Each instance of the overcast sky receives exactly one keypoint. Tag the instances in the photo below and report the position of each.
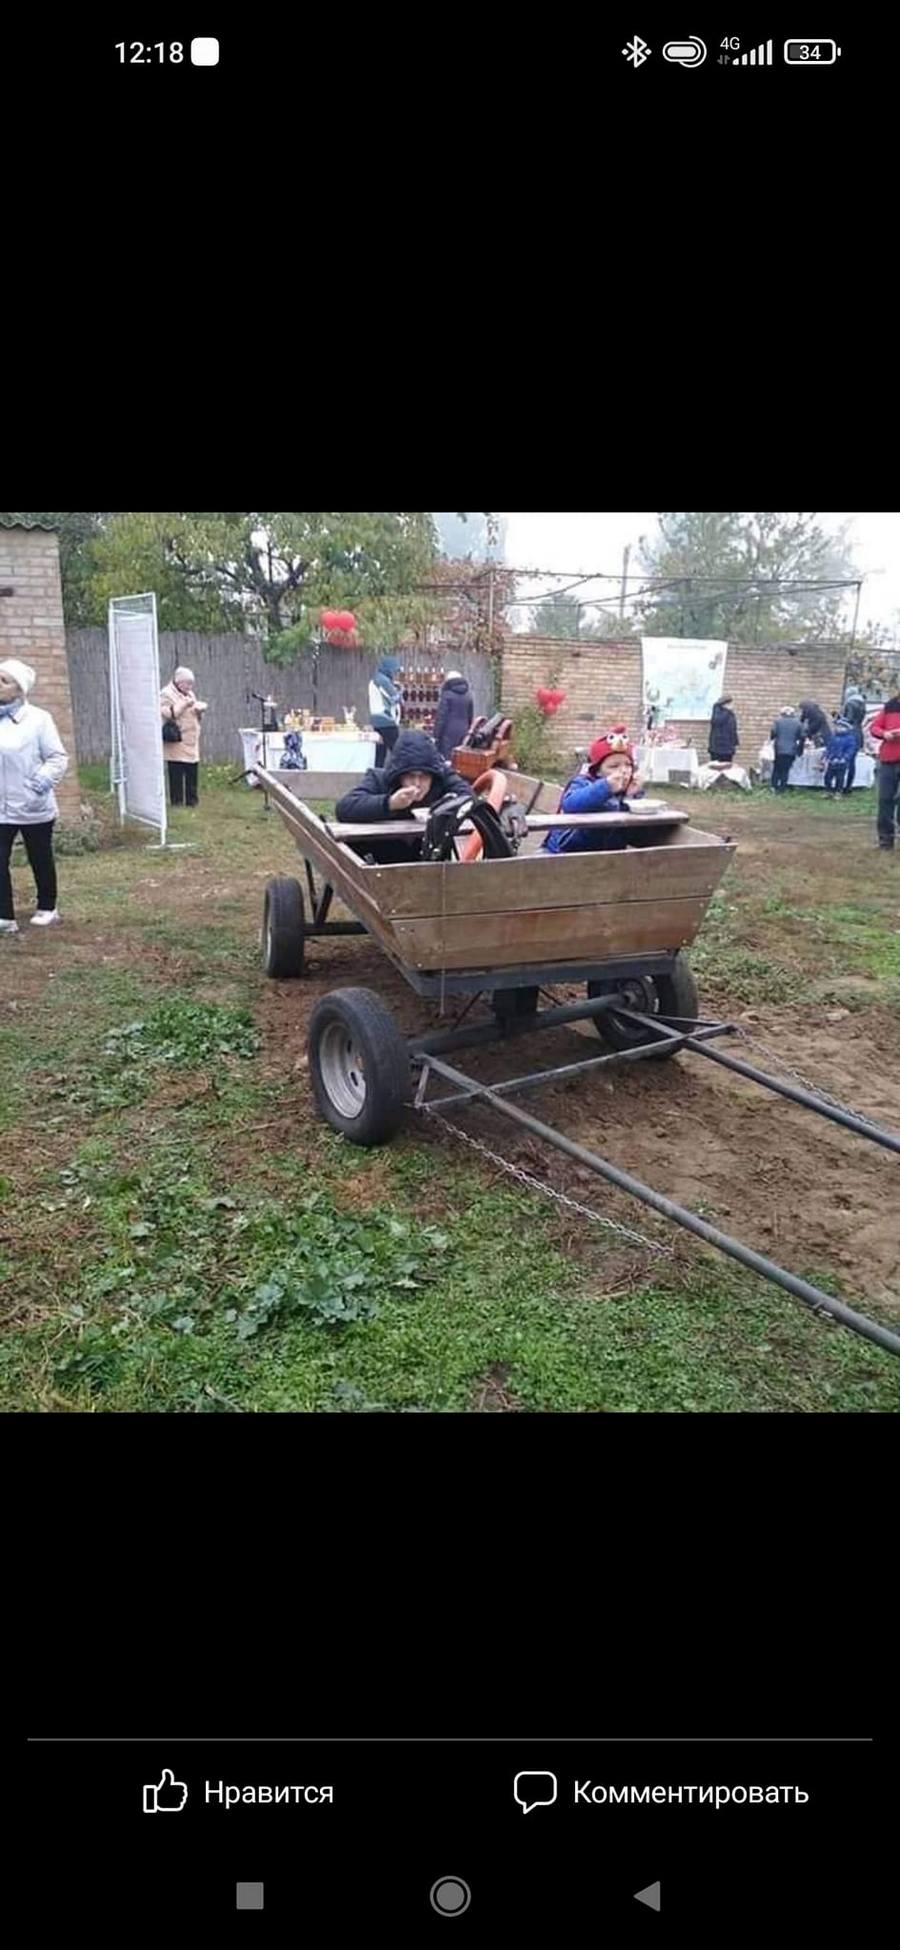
(577, 543)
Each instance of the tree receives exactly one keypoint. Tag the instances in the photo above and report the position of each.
(565, 616)
(724, 575)
(461, 536)
(556, 616)
(470, 536)
(271, 573)
(874, 660)
(76, 533)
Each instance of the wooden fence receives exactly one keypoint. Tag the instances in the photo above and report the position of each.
(227, 670)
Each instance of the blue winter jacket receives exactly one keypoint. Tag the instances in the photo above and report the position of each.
(842, 744)
(587, 795)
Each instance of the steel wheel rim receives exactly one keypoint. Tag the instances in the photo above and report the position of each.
(638, 992)
(342, 1071)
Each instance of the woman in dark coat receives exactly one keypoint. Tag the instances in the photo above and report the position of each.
(813, 722)
(455, 713)
(723, 732)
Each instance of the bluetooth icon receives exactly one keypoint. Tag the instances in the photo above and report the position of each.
(637, 51)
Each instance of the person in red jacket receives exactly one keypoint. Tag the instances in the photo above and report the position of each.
(886, 729)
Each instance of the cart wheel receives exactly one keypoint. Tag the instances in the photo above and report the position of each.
(283, 928)
(653, 995)
(359, 1065)
(510, 1004)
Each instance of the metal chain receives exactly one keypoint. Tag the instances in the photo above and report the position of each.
(549, 1191)
(815, 1088)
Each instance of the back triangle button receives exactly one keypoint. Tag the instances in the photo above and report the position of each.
(650, 1895)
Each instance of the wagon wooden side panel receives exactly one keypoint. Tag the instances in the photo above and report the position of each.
(542, 908)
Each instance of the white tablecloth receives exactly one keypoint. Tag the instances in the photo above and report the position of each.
(809, 768)
(324, 751)
(656, 763)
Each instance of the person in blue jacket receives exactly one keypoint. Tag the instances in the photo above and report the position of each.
(385, 699)
(607, 785)
(840, 753)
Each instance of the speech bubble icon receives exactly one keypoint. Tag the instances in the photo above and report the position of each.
(538, 1791)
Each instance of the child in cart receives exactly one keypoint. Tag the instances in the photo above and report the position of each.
(607, 784)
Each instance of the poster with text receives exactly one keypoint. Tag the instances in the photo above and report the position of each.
(683, 676)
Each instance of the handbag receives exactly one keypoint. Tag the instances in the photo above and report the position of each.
(171, 732)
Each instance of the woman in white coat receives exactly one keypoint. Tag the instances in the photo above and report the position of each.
(32, 762)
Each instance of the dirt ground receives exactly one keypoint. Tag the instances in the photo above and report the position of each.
(798, 1188)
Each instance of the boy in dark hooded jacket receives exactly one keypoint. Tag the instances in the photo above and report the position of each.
(415, 775)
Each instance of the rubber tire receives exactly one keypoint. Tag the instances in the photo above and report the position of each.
(283, 928)
(513, 1004)
(385, 1059)
(675, 995)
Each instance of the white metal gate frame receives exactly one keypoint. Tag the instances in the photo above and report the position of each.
(143, 604)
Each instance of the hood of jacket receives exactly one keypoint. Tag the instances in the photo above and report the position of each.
(414, 752)
(458, 686)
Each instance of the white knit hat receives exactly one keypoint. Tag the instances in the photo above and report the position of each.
(21, 674)
(183, 675)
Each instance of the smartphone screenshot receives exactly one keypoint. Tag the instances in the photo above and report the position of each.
(449, 1048)
(634, 1841)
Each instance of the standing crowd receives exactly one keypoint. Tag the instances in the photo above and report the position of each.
(841, 742)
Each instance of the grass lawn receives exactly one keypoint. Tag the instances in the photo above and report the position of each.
(179, 1231)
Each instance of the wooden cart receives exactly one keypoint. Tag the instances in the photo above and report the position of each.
(616, 922)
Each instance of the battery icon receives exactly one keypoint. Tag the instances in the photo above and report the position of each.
(811, 54)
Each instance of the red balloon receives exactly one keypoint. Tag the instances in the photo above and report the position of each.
(345, 620)
(330, 619)
(543, 696)
(559, 697)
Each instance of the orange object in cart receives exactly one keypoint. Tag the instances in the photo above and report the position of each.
(492, 786)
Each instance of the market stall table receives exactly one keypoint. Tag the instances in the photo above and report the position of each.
(656, 763)
(324, 751)
(809, 769)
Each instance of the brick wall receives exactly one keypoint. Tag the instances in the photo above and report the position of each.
(603, 685)
(31, 628)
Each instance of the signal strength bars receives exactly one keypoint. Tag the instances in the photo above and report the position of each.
(758, 57)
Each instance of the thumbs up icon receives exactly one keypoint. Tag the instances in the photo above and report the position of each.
(167, 1798)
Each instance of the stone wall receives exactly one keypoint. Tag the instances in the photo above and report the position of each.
(603, 685)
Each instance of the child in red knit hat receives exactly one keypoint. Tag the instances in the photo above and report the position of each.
(607, 783)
